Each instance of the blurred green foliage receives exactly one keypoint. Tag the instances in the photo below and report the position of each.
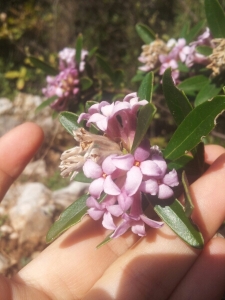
(47, 26)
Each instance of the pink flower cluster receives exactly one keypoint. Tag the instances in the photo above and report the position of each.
(124, 177)
(66, 84)
(178, 51)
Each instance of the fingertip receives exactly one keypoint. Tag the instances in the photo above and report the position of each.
(212, 152)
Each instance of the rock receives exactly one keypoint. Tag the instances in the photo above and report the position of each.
(4, 263)
(6, 229)
(64, 197)
(8, 122)
(5, 105)
(37, 167)
(33, 197)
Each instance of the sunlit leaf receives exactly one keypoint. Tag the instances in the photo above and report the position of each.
(69, 121)
(145, 33)
(189, 206)
(69, 217)
(12, 74)
(146, 87)
(105, 241)
(145, 117)
(176, 100)
(174, 216)
(215, 18)
(208, 91)
(198, 123)
(20, 83)
(79, 46)
(45, 103)
(49, 70)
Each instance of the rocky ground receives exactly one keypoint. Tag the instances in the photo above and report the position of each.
(39, 194)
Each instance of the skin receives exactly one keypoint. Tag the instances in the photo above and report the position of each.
(159, 266)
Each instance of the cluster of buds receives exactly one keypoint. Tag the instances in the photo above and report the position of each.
(117, 172)
(66, 84)
(162, 55)
(217, 58)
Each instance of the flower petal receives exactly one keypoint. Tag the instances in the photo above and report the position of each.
(107, 221)
(115, 210)
(95, 214)
(171, 178)
(110, 187)
(124, 201)
(133, 181)
(160, 161)
(143, 151)
(150, 186)
(150, 168)
(93, 203)
(139, 228)
(165, 192)
(121, 229)
(124, 162)
(91, 169)
(151, 223)
(96, 187)
(107, 166)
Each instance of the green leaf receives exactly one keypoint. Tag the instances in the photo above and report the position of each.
(85, 82)
(92, 52)
(145, 116)
(79, 46)
(105, 67)
(189, 206)
(138, 77)
(49, 70)
(82, 178)
(182, 67)
(215, 18)
(204, 50)
(146, 87)
(185, 30)
(208, 91)
(176, 100)
(191, 35)
(145, 33)
(45, 103)
(193, 84)
(69, 121)
(12, 74)
(69, 217)
(180, 162)
(105, 241)
(198, 123)
(173, 215)
(118, 78)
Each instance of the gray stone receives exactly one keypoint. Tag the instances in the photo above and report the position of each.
(5, 105)
(37, 167)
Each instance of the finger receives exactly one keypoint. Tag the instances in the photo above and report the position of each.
(206, 279)
(17, 147)
(154, 267)
(212, 152)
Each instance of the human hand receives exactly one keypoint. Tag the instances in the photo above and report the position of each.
(158, 266)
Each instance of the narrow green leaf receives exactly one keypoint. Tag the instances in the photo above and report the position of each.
(145, 33)
(182, 67)
(193, 84)
(82, 178)
(204, 50)
(105, 67)
(185, 30)
(45, 103)
(194, 32)
(138, 77)
(85, 82)
(198, 123)
(180, 162)
(176, 100)
(69, 217)
(105, 241)
(49, 70)
(215, 18)
(174, 216)
(69, 121)
(79, 46)
(146, 87)
(118, 78)
(189, 206)
(92, 52)
(145, 117)
(207, 92)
